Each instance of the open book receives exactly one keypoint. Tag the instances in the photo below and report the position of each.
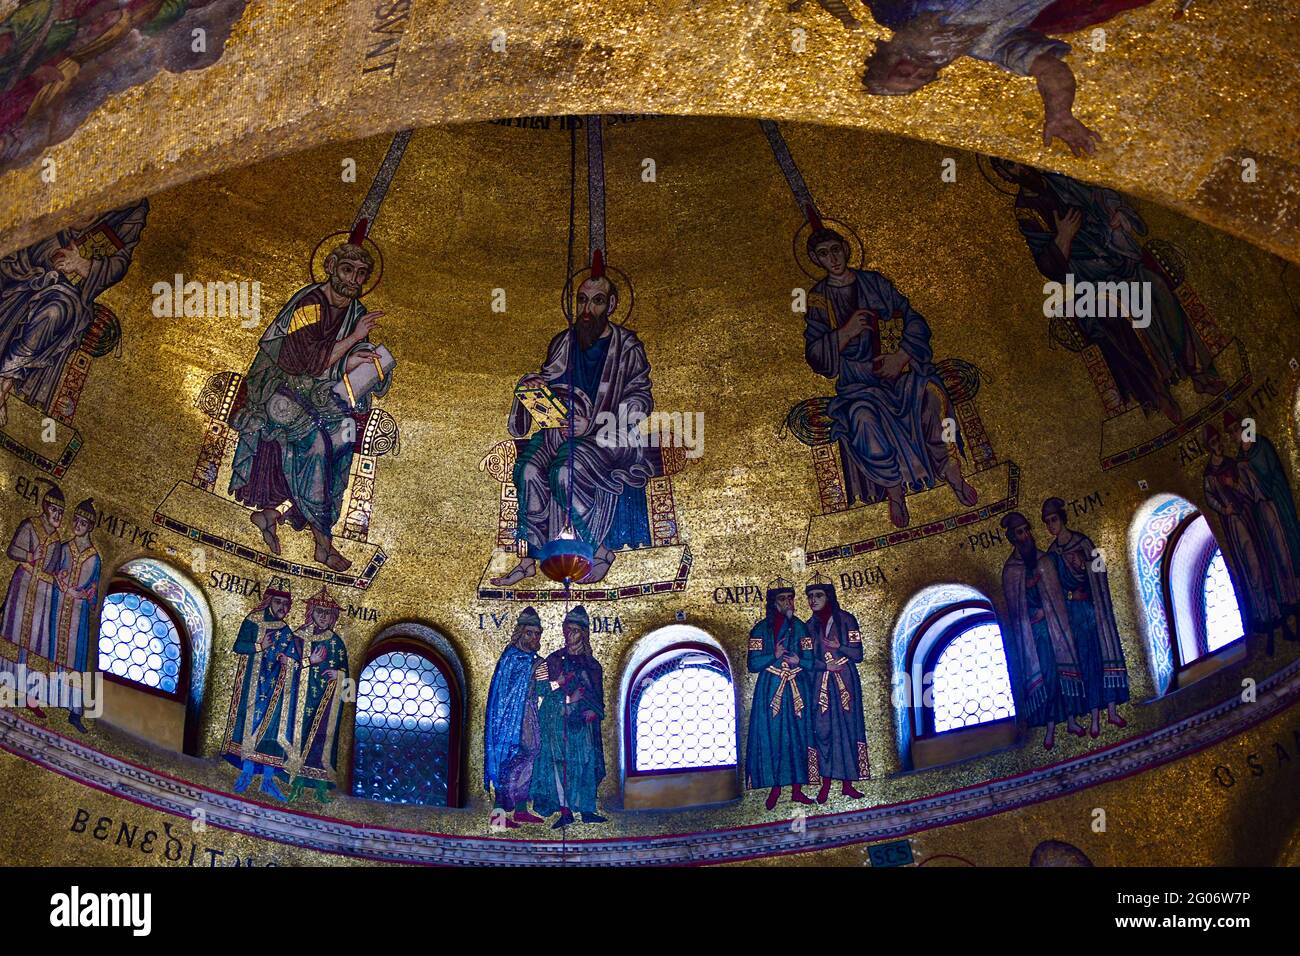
(544, 405)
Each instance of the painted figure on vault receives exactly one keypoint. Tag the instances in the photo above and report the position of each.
(1074, 229)
(599, 369)
(570, 762)
(1052, 689)
(890, 407)
(76, 592)
(264, 638)
(1255, 546)
(1015, 35)
(47, 299)
(35, 545)
(512, 731)
(779, 751)
(839, 735)
(296, 411)
(1086, 590)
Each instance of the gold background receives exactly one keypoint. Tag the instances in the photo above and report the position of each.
(479, 207)
(1180, 103)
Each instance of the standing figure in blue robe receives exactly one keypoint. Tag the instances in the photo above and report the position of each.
(1275, 506)
(890, 405)
(1086, 589)
(779, 751)
(839, 731)
(76, 592)
(570, 762)
(511, 731)
(1039, 635)
(264, 638)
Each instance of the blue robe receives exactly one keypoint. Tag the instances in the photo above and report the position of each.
(779, 749)
(1262, 459)
(510, 702)
(890, 433)
(257, 678)
(44, 314)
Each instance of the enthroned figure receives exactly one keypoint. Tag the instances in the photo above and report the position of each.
(890, 406)
(296, 436)
(47, 299)
(570, 471)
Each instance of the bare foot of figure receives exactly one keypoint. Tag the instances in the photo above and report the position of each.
(962, 488)
(266, 520)
(526, 568)
(897, 507)
(1049, 741)
(329, 555)
(600, 566)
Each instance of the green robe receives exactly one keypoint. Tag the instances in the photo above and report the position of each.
(778, 751)
(571, 762)
(299, 734)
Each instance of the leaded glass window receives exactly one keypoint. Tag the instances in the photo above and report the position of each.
(971, 684)
(1222, 615)
(684, 715)
(139, 642)
(404, 727)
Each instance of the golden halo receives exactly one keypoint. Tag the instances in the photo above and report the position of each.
(626, 296)
(800, 247)
(317, 261)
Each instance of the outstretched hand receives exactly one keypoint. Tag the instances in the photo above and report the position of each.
(1081, 140)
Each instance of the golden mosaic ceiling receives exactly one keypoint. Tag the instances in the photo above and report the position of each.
(1180, 102)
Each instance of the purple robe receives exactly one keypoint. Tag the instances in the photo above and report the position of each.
(600, 471)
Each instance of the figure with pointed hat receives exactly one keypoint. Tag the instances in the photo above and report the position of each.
(29, 601)
(1086, 589)
(779, 750)
(296, 434)
(839, 734)
(1051, 684)
(261, 647)
(571, 473)
(890, 405)
(570, 761)
(511, 731)
(76, 591)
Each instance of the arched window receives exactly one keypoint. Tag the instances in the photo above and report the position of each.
(139, 642)
(155, 633)
(679, 722)
(952, 684)
(409, 714)
(1190, 610)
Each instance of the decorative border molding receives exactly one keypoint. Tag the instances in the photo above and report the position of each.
(167, 794)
